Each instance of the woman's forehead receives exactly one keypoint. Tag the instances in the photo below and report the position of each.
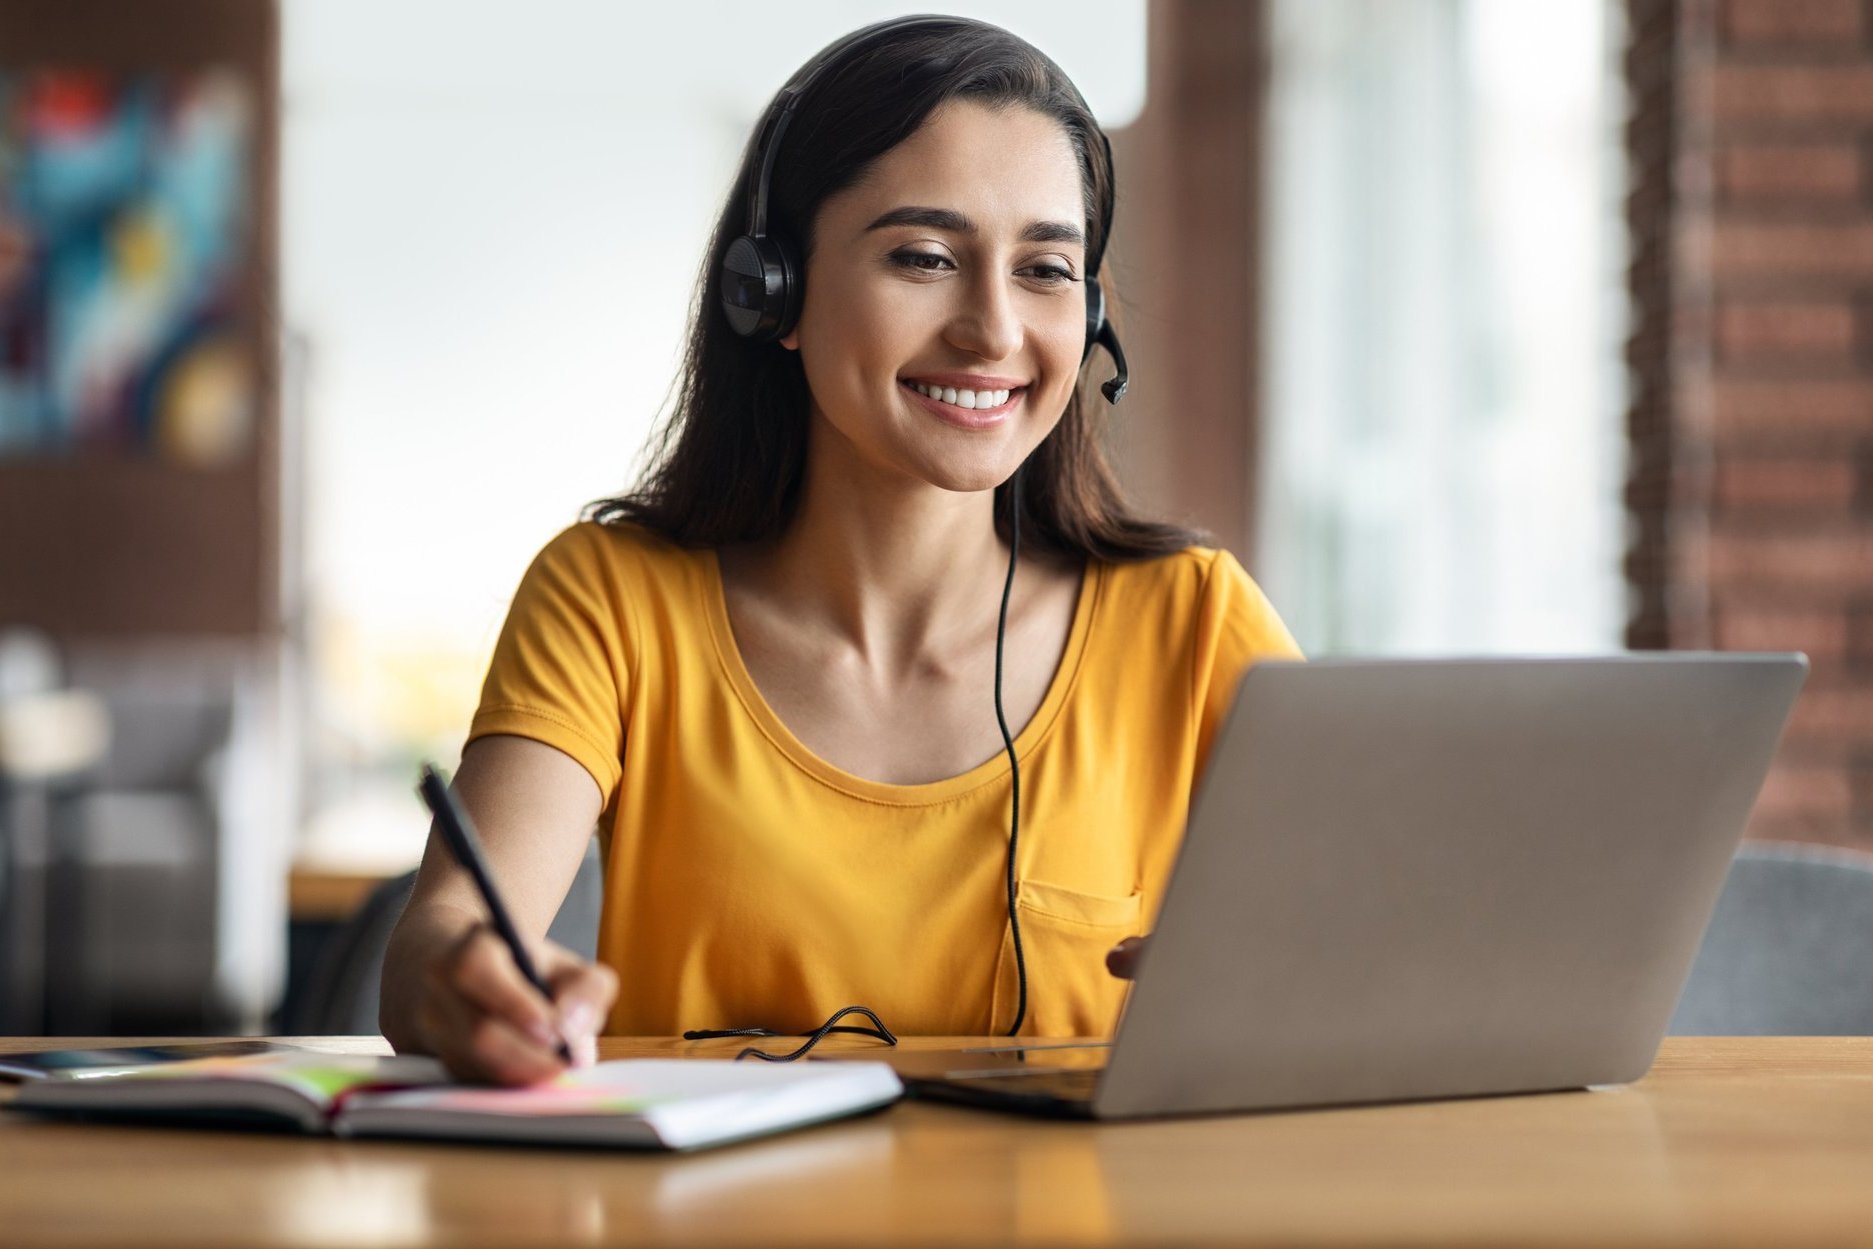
(1002, 168)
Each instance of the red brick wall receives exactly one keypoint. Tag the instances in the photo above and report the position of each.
(1752, 488)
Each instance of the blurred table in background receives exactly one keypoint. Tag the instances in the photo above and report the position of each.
(322, 896)
(325, 893)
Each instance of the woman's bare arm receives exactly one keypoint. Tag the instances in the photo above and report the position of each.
(450, 988)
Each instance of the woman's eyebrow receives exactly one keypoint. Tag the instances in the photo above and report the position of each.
(950, 220)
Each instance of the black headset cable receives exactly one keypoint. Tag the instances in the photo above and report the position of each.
(1014, 764)
(1014, 844)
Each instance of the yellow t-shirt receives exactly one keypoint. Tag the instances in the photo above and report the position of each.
(749, 883)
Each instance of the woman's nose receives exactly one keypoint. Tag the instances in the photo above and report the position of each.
(988, 324)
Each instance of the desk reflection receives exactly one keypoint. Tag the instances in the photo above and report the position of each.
(1483, 1169)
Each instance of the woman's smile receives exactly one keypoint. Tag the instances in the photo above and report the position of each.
(967, 401)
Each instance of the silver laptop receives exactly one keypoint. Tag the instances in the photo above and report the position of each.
(1414, 879)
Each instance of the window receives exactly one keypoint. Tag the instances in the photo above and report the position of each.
(1443, 441)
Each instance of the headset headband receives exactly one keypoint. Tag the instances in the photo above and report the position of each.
(789, 98)
(781, 115)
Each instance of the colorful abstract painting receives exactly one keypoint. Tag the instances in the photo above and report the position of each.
(125, 233)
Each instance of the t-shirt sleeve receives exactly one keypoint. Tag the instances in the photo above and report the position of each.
(1236, 627)
(562, 668)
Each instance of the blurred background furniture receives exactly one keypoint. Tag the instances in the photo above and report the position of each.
(141, 921)
(1790, 948)
(51, 738)
(126, 780)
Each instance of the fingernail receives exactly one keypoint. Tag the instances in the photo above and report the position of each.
(543, 1032)
(579, 1021)
(578, 1024)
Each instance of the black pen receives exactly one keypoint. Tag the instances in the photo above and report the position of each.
(466, 847)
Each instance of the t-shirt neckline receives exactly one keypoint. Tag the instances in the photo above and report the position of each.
(728, 655)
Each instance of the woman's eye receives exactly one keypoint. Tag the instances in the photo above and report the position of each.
(1051, 275)
(924, 262)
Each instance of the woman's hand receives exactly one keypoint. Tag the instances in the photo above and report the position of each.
(450, 987)
(482, 1018)
(1122, 959)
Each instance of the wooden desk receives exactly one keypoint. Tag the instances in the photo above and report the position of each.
(1727, 1142)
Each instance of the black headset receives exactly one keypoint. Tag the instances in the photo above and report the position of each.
(762, 277)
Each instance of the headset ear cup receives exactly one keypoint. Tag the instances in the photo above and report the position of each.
(759, 288)
(1095, 317)
(793, 286)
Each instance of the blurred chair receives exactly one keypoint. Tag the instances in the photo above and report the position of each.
(52, 738)
(139, 918)
(1790, 948)
(178, 842)
(341, 994)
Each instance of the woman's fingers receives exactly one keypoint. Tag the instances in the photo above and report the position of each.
(1122, 959)
(485, 973)
(582, 996)
(477, 1046)
(485, 1020)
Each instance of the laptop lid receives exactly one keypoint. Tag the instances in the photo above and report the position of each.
(1434, 878)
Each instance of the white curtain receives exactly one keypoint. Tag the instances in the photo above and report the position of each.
(1442, 425)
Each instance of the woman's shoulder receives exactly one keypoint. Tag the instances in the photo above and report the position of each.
(617, 571)
(1197, 591)
(1186, 576)
(616, 549)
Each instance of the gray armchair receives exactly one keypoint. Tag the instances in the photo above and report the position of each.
(1790, 948)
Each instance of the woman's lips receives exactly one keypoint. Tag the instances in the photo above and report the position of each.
(965, 418)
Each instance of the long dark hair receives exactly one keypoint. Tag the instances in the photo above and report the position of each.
(727, 463)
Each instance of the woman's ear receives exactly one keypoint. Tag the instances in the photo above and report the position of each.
(791, 339)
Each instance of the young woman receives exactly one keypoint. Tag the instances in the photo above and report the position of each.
(875, 689)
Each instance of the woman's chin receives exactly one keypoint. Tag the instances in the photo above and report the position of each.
(972, 476)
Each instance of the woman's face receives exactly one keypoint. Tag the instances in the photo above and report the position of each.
(952, 272)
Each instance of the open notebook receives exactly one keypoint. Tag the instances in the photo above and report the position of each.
(632, 1103)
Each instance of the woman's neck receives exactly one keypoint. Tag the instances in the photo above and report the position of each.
(900, 571)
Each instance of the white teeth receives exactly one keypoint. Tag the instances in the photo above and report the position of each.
(967, 399)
